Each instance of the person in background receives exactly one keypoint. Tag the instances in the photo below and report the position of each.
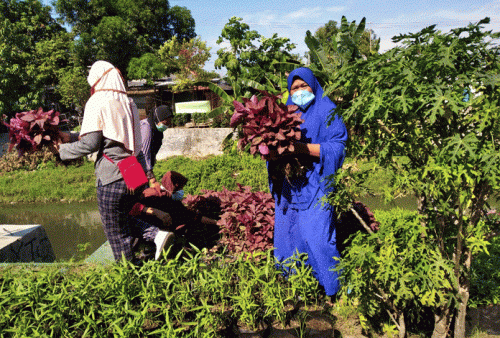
(152, 129)
(162, 205)
(111, 126)
(301, 222)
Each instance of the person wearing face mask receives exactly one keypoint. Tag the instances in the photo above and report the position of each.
(301, 222)
(152, 129)
(164, 202)
(110, 127)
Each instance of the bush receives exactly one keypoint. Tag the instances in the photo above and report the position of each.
(218, 172)
(191, 296)
(11, 160)
(395, 272)
(485, 276)
(179, 120)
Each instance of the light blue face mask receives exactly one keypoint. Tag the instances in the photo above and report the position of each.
(178, 195)
(161, 127)
(302, 98)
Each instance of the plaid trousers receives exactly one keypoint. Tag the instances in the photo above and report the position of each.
(114, 203)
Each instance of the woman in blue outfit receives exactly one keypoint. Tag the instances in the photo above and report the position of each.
(301, 223)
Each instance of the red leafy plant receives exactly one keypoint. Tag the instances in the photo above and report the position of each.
(30, 130)
(247, 218)
(266, 124)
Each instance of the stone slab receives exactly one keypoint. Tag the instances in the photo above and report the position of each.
(103, 255)
(192, 142)
(24, 243)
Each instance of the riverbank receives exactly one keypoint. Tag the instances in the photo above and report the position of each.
(53, 182)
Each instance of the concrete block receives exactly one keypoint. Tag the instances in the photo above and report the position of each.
(24, 243)
(192, 142)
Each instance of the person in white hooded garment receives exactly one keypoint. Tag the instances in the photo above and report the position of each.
(111, 126)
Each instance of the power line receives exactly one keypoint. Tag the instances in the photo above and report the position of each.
(280, 24)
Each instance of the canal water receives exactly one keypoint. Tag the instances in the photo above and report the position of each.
(71, 226)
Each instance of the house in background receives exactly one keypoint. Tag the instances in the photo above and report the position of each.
(146, 97)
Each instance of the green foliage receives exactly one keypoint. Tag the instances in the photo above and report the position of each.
(11, 161)
(115, 40)
(396, 263)
(332, 48)
(191, 295)
(342, 43)
(73, 87)
(77, 183)
(118, 31)
(33, 46)
(253, 56)
(485, 276)
(242, 88)
(218, 172)
(71, 183)
(147, 67)
(185, 59)
(410, 108)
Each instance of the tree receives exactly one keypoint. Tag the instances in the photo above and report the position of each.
(431, 109)
(32, 47)
(148, 67)
(251, 55)
(332, 47)
(186, 60)
(330, 36)
(121, 30)
(114, 40)
(73, 87)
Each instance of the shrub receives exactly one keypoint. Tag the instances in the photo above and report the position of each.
(31, 130)
(394, 271)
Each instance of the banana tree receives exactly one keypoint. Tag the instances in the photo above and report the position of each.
(240, 88)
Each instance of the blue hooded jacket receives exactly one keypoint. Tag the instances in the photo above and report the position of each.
(331, 138)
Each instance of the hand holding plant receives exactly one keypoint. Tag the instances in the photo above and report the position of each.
(271, 129)
(266, 125)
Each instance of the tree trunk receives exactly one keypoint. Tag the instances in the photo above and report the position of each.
(402, 326)
(442, 323)
(463, 295)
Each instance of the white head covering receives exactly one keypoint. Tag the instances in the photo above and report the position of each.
(109, 109)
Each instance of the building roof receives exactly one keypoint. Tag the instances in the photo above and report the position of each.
(136, 86)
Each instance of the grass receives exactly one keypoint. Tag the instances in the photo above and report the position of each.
(49, 183)
(76, 183)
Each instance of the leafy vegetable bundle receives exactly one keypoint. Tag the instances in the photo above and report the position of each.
(30, 130)
(266, 124)
(270, 126)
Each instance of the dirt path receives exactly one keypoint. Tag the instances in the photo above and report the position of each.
(320, 323)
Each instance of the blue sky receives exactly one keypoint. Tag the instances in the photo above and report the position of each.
(292, 18)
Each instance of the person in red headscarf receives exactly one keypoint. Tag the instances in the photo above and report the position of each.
(161, 205)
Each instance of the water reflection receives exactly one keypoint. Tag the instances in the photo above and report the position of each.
(67, 225)
(70, 224)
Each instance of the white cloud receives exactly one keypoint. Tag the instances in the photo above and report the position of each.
(491, 10)
(305, 13)
(444, 19)
(335, 9)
